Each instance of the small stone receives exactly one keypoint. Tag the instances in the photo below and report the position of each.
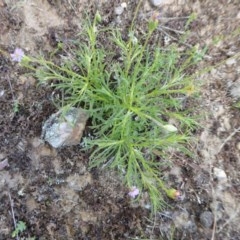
(124, 5)
(2, 92)
(220, 175)
(182, 220)
(191, 226)
(238, 15)
(65, 129)
(238, 145)
(157, 3)
(119, 10)
(235, 90)
(231, 61)
(206, 219)
(226, 123)
(4, 164)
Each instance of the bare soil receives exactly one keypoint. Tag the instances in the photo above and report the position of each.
(53, 191)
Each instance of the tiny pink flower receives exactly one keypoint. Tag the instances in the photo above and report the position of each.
(18, 55)
(134, 192)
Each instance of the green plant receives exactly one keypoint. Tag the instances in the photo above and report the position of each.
(136, 104)
(16, 106)
(20, 227)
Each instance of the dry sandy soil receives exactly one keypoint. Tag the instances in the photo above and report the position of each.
(53, 192)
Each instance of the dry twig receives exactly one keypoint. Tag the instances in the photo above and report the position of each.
(228, 138)
(12, 211)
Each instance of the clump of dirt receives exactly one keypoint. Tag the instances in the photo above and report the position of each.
(55, 193)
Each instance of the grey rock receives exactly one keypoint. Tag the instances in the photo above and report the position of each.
(182, 220)
(2, 92)
(231, 61)
(119, 10)
(235, 90)
(4, 164)
(65, 129)
(191, 225)
(206, 219)
(157, 3)
(220, 175)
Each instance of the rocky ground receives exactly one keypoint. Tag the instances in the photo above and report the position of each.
(53, 192)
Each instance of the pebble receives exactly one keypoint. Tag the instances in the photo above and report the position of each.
(124, 5)
(191, 225)
(231, 61)
(4, 164)
(206, 219)
(157, 3)
(238, 146)
(238, 15)
(226, 123)
(182, 220)
(2, 92)
(119, 10)
(220, 175)
(235, 91)
(65, 129)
